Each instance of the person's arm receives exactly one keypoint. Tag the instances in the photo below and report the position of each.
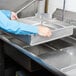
(15, 27)
(7, 13)
(11, 15)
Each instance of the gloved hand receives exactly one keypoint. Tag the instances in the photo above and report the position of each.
(44, 31)
(14, 16)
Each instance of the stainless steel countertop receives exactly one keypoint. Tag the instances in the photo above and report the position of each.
(58, 56)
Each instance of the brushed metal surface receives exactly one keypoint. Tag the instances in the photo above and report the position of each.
(63, 61)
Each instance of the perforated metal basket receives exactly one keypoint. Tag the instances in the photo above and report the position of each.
(59, 30)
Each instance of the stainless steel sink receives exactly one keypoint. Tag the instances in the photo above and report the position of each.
(62, 57)
(58, 56)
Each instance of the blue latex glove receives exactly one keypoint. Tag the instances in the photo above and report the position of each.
(14, 27)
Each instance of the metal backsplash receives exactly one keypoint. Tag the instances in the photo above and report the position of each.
(69, 17)
(14, 5)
